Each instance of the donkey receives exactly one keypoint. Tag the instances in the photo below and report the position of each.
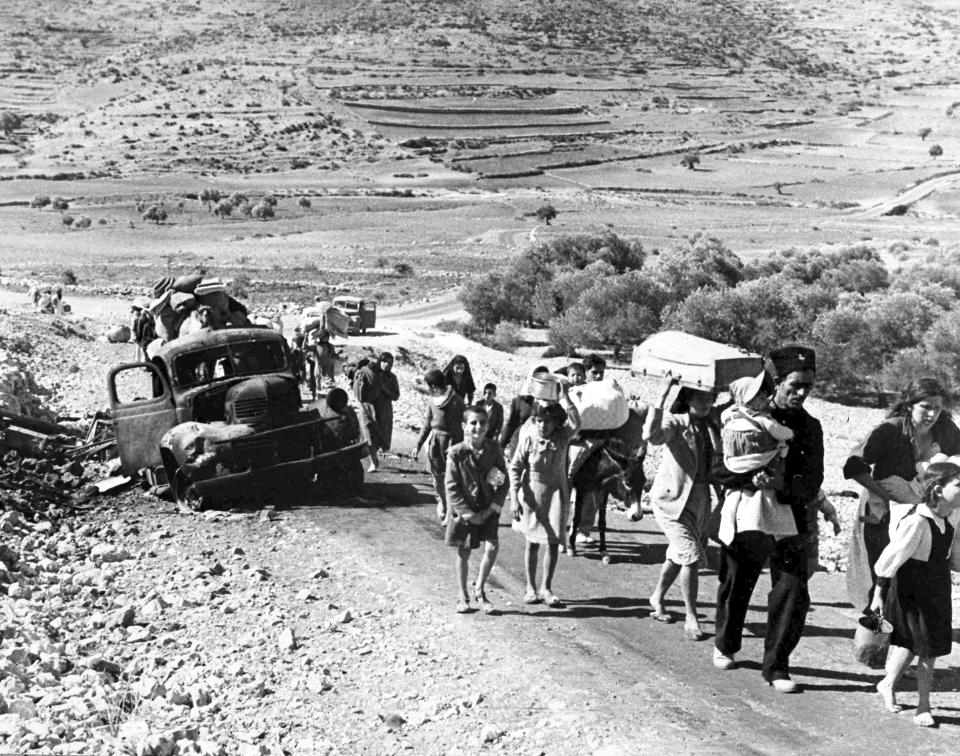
(610, 462)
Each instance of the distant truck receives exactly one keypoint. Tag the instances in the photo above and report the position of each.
(362, 312)
(219, 416)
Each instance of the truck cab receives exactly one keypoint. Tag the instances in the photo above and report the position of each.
(219, 415)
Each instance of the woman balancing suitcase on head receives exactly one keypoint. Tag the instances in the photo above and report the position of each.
(690, 435)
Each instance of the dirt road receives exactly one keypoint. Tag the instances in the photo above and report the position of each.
(648, 683)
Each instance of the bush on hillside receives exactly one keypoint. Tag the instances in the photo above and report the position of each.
(702, 262)
(757, 315)
(553, 296)
(615, 312)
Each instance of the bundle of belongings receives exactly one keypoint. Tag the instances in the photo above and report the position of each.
(192, 303)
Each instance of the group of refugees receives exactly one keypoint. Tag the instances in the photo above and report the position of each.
(48, 300)
(760, 457)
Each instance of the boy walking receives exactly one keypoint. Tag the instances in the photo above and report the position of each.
(475, 482)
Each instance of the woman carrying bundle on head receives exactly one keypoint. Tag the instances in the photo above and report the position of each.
(690, 435)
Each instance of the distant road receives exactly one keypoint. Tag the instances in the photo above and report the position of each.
(918, 192)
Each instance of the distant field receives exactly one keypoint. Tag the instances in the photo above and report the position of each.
(429, 133)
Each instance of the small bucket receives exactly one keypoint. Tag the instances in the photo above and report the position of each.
(546, 388)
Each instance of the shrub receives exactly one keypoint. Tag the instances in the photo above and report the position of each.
(155, 213)
(614, 312)
(546, 213)
(68, 278)
(910, 365)
(66, 220)
(223, 208)
(756, 315)
(9, 121)
(924, 132)
(210, 197)
(82, 222)
(506, 337)
(578, 251)
(702, 262)
(59, 203)
(304, 203)
(690, 161)
(40, 201)
(493, 298)
(553, 296)
(403, 269)
(263, 211)
(269, 199)
(935, 150)
(861, 276)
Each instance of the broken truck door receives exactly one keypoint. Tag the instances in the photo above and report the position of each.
(143, 411)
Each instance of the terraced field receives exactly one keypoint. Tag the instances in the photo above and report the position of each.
(456, 121)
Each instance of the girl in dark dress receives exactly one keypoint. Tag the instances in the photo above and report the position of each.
(913, 588)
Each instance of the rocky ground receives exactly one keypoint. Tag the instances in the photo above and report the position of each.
(129, 627)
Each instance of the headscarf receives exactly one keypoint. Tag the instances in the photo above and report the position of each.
(466, 387)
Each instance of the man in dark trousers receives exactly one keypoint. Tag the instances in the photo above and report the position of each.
(793, 372)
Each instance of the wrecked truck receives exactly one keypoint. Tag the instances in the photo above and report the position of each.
(218, 415)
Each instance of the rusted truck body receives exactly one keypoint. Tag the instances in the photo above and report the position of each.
(219, 416)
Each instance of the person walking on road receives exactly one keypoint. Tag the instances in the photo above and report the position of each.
(476, 477)
(793, 370)
(540, 491)
(888, 463)
(442, 428)
(383, 403)
(913, 588)
(681, 493)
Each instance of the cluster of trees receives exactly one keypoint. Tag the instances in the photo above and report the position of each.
(874, 330)
(238, 203)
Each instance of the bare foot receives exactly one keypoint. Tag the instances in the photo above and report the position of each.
(656, 604)
(924, 719)
(885, 690)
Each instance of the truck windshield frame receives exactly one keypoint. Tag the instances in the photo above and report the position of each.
(212, 364)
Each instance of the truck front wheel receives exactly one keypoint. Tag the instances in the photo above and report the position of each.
(186, 495)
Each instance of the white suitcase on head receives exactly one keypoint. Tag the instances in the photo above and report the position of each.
(696, 362)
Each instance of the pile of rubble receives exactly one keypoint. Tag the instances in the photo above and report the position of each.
(19, 391)
(59, 693)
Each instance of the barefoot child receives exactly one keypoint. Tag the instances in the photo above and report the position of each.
(913, 588)
(475, 483)
(539, 490)
(442, 427)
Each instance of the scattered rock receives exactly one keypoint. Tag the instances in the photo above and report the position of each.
(287, 640)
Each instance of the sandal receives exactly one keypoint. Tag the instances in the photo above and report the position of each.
(924, 719)
(550, 600)
(662, 617)
(531, 598)
(441, 511)
(463, 606)
(486, 606)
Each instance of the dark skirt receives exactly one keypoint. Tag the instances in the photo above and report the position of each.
(919, 609)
